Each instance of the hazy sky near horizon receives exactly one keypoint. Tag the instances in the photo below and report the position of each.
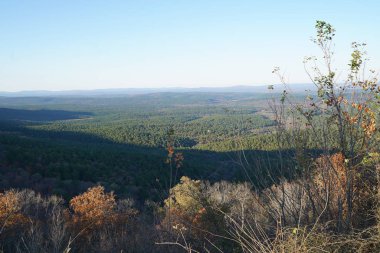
(78, 44)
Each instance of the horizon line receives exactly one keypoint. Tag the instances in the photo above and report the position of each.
(152, 88)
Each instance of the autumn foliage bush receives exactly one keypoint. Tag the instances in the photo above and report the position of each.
(94, 222)
(10, 210)
(94, 206)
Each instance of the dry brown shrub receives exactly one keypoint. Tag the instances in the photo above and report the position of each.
(100, 223)
(94, 206)
(331, 178)
(10, 210)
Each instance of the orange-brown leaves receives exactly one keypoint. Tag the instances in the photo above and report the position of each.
(199, 215)
(178, 160)
(10, 209)
(331, 181)
(170, 151)
(336, 178)
(8, 203)
(363, 115)
(369, 122)
(331, 171)
(174, 157)
(93, 205)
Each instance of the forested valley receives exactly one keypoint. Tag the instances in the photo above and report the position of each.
(270, 171)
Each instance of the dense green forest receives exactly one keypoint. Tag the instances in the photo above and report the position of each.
(120, 142)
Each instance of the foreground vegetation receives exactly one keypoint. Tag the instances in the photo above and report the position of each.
(209, 173)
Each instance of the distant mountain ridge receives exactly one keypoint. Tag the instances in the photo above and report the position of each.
(137, 91)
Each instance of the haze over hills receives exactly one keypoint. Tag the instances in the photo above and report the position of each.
(136, 91)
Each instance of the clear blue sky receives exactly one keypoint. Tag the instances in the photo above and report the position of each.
(77, 44)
